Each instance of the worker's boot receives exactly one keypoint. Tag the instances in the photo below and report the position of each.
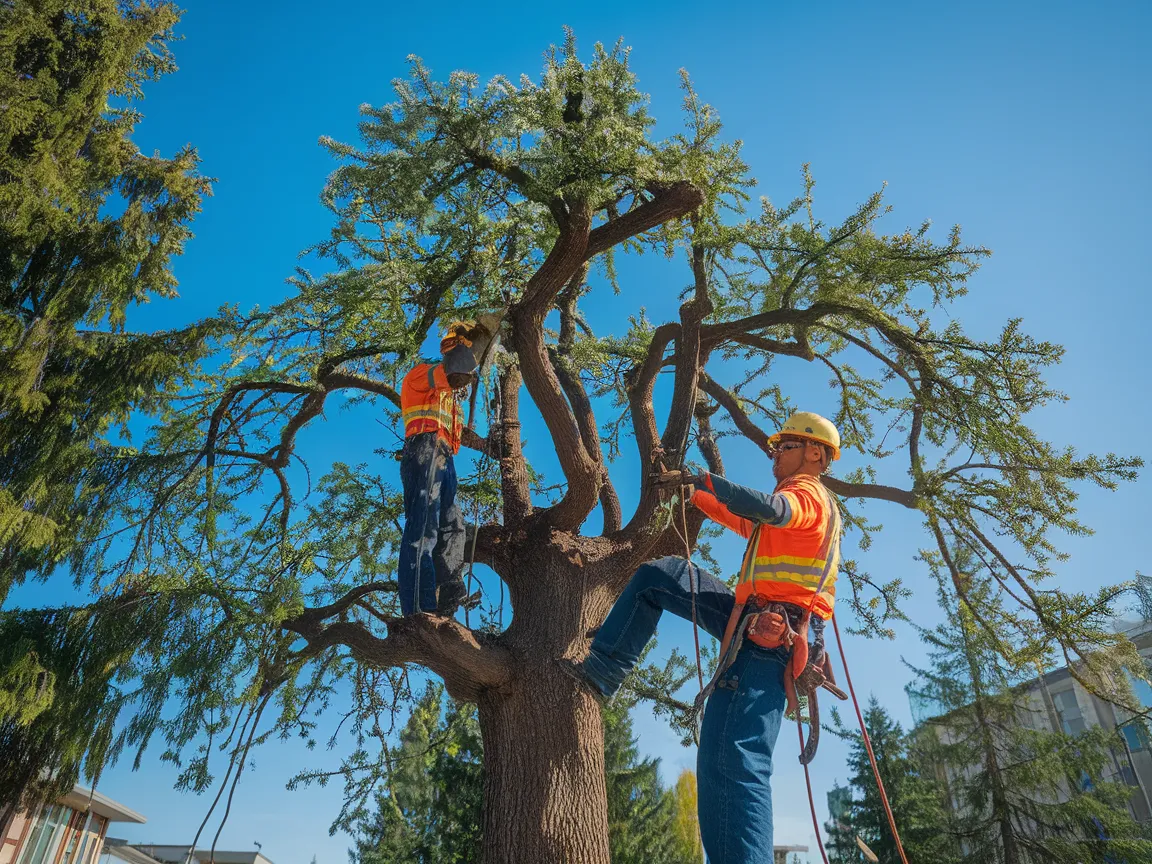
(450, 596)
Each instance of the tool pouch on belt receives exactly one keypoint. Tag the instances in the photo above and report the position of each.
(774, 626)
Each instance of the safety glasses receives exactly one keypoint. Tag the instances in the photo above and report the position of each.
(786, 446)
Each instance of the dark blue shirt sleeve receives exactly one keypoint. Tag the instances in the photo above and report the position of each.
(751, 504)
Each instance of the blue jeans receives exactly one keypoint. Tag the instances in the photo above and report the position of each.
(432, 548)
(741, 721)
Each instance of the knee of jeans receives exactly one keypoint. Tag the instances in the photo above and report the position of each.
(659, 573)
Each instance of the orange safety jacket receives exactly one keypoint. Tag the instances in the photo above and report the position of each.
(791, 535)
(428, 404)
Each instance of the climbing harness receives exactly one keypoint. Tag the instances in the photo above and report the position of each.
(774, 624)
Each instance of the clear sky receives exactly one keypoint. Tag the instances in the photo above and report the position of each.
(1027, 123)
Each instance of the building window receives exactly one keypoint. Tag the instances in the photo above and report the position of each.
(92, 837)
(1069, 710)
(1135, 737)
(45, 835)
(1143, 691)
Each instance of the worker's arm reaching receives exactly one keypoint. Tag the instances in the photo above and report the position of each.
(740, 508)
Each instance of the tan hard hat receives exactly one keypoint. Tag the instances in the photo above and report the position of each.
(805, 424)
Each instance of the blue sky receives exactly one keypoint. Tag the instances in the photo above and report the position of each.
(1027, 123)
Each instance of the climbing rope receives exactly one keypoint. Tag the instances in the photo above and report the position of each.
(811, 799)
(868, 746)
(871, 760)
(492, 415)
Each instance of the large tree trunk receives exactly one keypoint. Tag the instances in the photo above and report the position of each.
(544, 794)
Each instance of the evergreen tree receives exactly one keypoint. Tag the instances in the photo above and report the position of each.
(431, 810)
(917, 801)
(642, 814)
(88, 228)
(1022, 789)
(523, 195)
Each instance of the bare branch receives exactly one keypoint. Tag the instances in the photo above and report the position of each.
(443, 645)
(759, 437)
(339, 380)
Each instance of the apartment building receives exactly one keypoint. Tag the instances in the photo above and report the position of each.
(1057, 702)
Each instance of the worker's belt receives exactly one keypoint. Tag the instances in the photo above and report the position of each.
(399, 454)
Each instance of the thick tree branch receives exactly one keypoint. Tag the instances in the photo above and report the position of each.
(903, 497)
(706, 439)
(674, 442)
(339, 380)
(799, 348)
(581, 469)
(759, 437)
(467, 665)
(513, 467)
(610, 505)
(641, 382)
(669, 203)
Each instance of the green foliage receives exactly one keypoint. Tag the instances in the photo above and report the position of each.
(686, 819)
(918, 801)
(59, 702)
(460, 197)
(430, 810)
(88, 227)
(641, 812)
(1022, 789)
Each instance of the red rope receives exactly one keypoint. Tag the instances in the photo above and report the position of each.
(867, 746)
(811, 800)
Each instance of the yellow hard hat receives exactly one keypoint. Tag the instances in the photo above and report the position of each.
(805, 424)
(458, 333)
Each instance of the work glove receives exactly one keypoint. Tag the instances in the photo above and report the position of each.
(675, 479)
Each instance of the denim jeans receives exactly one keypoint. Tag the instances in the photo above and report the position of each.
(741, 721)
(432, 547)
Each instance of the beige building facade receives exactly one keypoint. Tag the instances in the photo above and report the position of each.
(68, 831)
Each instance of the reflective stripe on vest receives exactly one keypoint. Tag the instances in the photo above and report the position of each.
(437, 414)
(796, 577)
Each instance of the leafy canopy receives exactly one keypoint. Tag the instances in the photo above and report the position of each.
(461, 197)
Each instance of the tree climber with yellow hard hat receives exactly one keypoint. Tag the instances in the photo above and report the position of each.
(787, 581)
(432, 546)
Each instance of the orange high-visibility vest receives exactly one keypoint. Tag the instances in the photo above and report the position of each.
(784, 563)
(427, 404)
